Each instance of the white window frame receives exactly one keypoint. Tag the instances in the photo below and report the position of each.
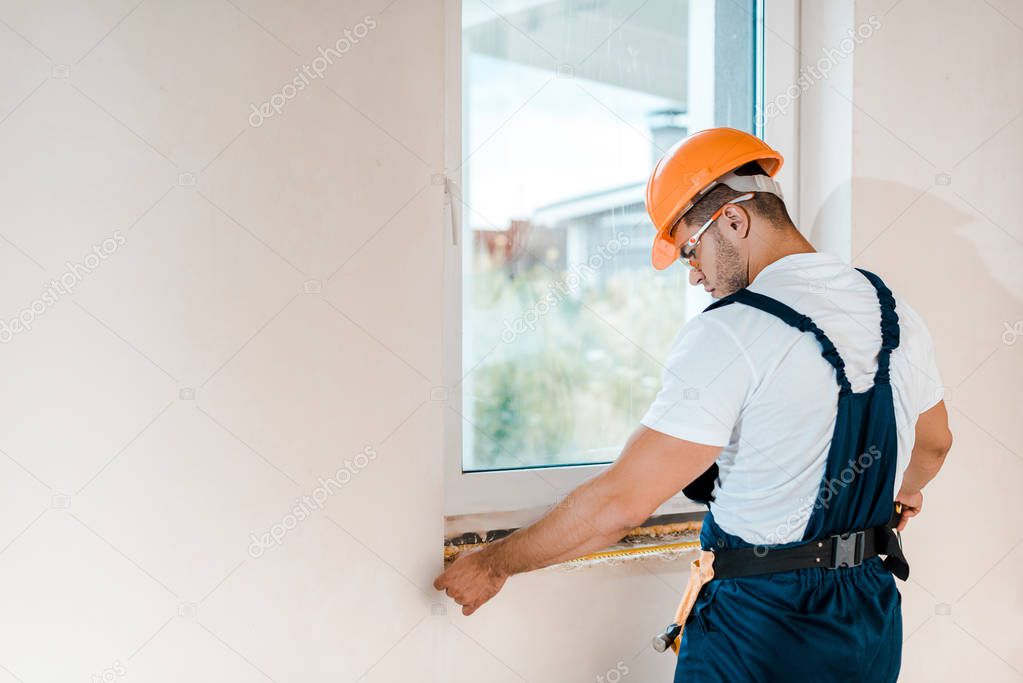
(516, 490)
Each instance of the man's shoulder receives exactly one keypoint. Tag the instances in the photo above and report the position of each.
(913, 331)
(737, 320)
(720, 337)
(724, 322)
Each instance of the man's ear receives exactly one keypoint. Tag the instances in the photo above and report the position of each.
(738, 220)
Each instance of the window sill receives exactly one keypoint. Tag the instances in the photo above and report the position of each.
(663, 537)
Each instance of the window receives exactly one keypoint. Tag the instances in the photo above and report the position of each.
(560, 323)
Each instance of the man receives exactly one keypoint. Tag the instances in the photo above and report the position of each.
(799, 406)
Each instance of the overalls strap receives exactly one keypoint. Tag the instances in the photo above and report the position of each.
(798, 321)
(797, 622)
(889, 327)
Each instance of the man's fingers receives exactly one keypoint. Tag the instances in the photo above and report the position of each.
(465, 585)
(456, 595)
(907, 512)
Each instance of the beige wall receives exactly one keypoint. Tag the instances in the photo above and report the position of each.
(937, 167)
(271, 306)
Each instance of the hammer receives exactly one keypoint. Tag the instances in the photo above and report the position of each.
(665, 640)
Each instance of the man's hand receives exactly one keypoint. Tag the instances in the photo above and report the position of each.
(912, 504)
(470, 581)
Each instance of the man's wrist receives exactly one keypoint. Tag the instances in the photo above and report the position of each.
(493, 561)
(905, 490)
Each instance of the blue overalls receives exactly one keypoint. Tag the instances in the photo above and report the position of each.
(813, 624)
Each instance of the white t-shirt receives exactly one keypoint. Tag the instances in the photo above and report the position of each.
(740, 378)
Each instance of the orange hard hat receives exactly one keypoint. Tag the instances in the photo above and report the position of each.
(691, 168)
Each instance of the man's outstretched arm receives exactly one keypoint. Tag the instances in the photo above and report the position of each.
(652, 468)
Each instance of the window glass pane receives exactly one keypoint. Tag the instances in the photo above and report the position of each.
(566, 107)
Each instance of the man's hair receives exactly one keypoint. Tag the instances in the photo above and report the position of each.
(768, 206)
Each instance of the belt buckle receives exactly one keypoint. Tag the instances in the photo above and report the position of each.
(847, 549)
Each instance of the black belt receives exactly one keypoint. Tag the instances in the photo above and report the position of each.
(834, 552)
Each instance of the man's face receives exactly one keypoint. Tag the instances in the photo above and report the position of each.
(720, 254)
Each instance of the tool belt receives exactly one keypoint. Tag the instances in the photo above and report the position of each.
(834, 552)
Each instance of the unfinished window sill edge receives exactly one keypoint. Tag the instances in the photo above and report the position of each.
(664, 537)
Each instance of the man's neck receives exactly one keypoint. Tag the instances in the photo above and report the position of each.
(793, 242)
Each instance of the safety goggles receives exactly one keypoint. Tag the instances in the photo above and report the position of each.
(687, 252)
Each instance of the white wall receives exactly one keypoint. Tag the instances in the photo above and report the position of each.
(208, 293)
(825, 130)
(289, 275)
(937, 92)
